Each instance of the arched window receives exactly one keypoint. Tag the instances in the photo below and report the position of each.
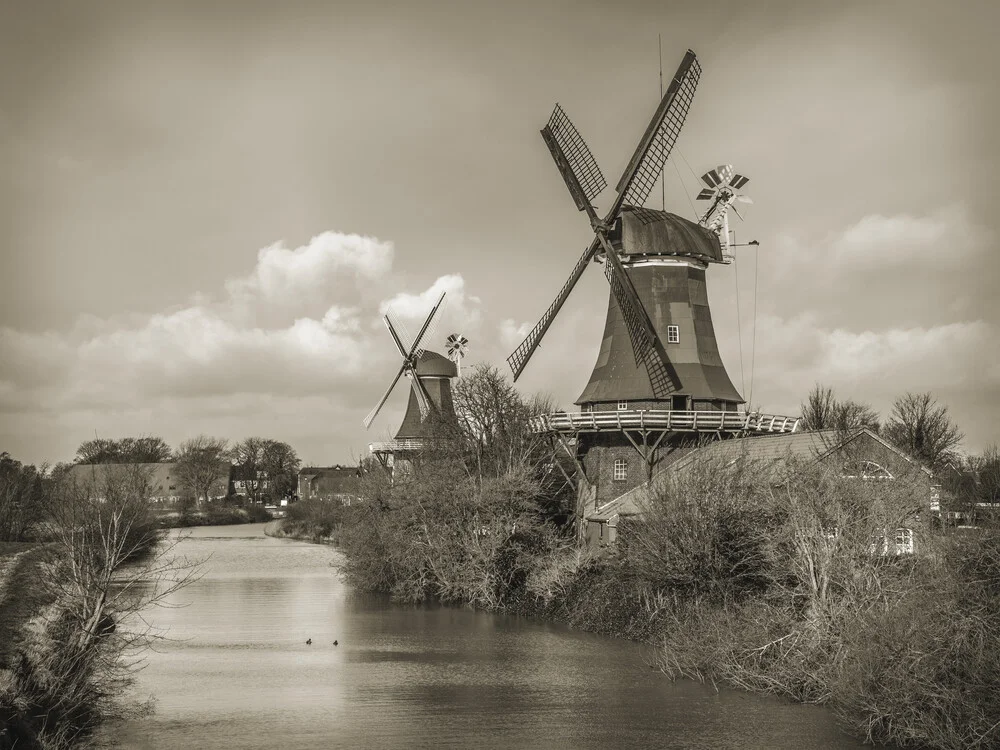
(872, 470)
(866, 470)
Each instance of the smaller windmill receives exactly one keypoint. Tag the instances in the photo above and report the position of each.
(412, 355)
(723, 190)
(457, 346)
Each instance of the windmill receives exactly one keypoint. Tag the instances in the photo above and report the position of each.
(430, 376)
(723, 190)
(658, 372)
(457, 346)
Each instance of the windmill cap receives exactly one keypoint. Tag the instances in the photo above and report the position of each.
(431, 364)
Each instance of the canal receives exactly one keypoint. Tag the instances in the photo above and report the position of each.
(235, 671)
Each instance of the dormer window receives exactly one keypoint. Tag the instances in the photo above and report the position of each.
(673, 334)
(622, 405)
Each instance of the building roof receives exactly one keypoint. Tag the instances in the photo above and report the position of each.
(331, 479)
(645, 231)
(779, 449)
(773, 451)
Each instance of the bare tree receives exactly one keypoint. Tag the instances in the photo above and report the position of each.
(128, 450)
(851, 415)
(493, 423)
(823, 411)
(248, 460)
(203, 467)
(918, 425)
(819, 409)
(106, 566)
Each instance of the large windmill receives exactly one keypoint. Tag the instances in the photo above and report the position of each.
(430, 377)
(658, 372)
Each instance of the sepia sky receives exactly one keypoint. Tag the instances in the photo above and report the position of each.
(205, 206)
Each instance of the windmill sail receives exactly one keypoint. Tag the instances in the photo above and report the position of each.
(658, 141)
(409, 365)
(385, 397)
(575, 162)
(520, 356)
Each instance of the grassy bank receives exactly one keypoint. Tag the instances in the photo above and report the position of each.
(213, 515)
(314, 520)
(775, 589)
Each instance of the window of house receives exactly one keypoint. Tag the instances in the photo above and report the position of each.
(673, 334)
(622, 405)
(872, 470)
(621, 469)
(904, 541)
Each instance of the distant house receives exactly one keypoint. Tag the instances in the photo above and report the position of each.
(328, 483)
(248, 481)
(96, 479)
(861, 453)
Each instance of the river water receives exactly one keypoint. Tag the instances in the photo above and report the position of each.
(235, 671)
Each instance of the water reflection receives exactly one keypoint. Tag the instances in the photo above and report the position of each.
(238, 673)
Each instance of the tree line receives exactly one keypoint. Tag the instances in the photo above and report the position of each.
(266, 468)
(922, 428)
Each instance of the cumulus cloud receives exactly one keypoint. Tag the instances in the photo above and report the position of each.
(877, 242)
(459, 312)
(225, 348)
(512, 333)
(291, 278)
(801, 350)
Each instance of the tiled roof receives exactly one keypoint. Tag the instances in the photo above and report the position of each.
(772, 451)
(795, 445)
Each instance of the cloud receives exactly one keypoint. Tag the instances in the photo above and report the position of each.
(225, 349)
(459, 312)
(291, 278)
(512, 333)
(876, 242)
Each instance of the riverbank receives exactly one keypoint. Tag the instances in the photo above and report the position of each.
(213, 516)
(312, 520)
(405, 677)
(21, 598)
(730, 581)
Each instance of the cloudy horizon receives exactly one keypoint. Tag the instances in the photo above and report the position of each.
(211, 205)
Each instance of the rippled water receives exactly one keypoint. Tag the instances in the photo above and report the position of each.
(237, 673)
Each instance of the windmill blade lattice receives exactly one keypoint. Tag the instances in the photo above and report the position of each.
(578, 158)
(520, 356)
(661, 135)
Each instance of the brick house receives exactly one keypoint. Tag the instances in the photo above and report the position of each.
(328, 483)
(861, 453)
(165, 483)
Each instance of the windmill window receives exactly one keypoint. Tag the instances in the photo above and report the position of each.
(622, 405)
(621, 469)
(673, 334)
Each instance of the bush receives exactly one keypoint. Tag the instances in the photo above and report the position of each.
(926, 670)
(314, 518)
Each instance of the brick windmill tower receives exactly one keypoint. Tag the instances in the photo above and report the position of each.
(659, 383)
(430, 377)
